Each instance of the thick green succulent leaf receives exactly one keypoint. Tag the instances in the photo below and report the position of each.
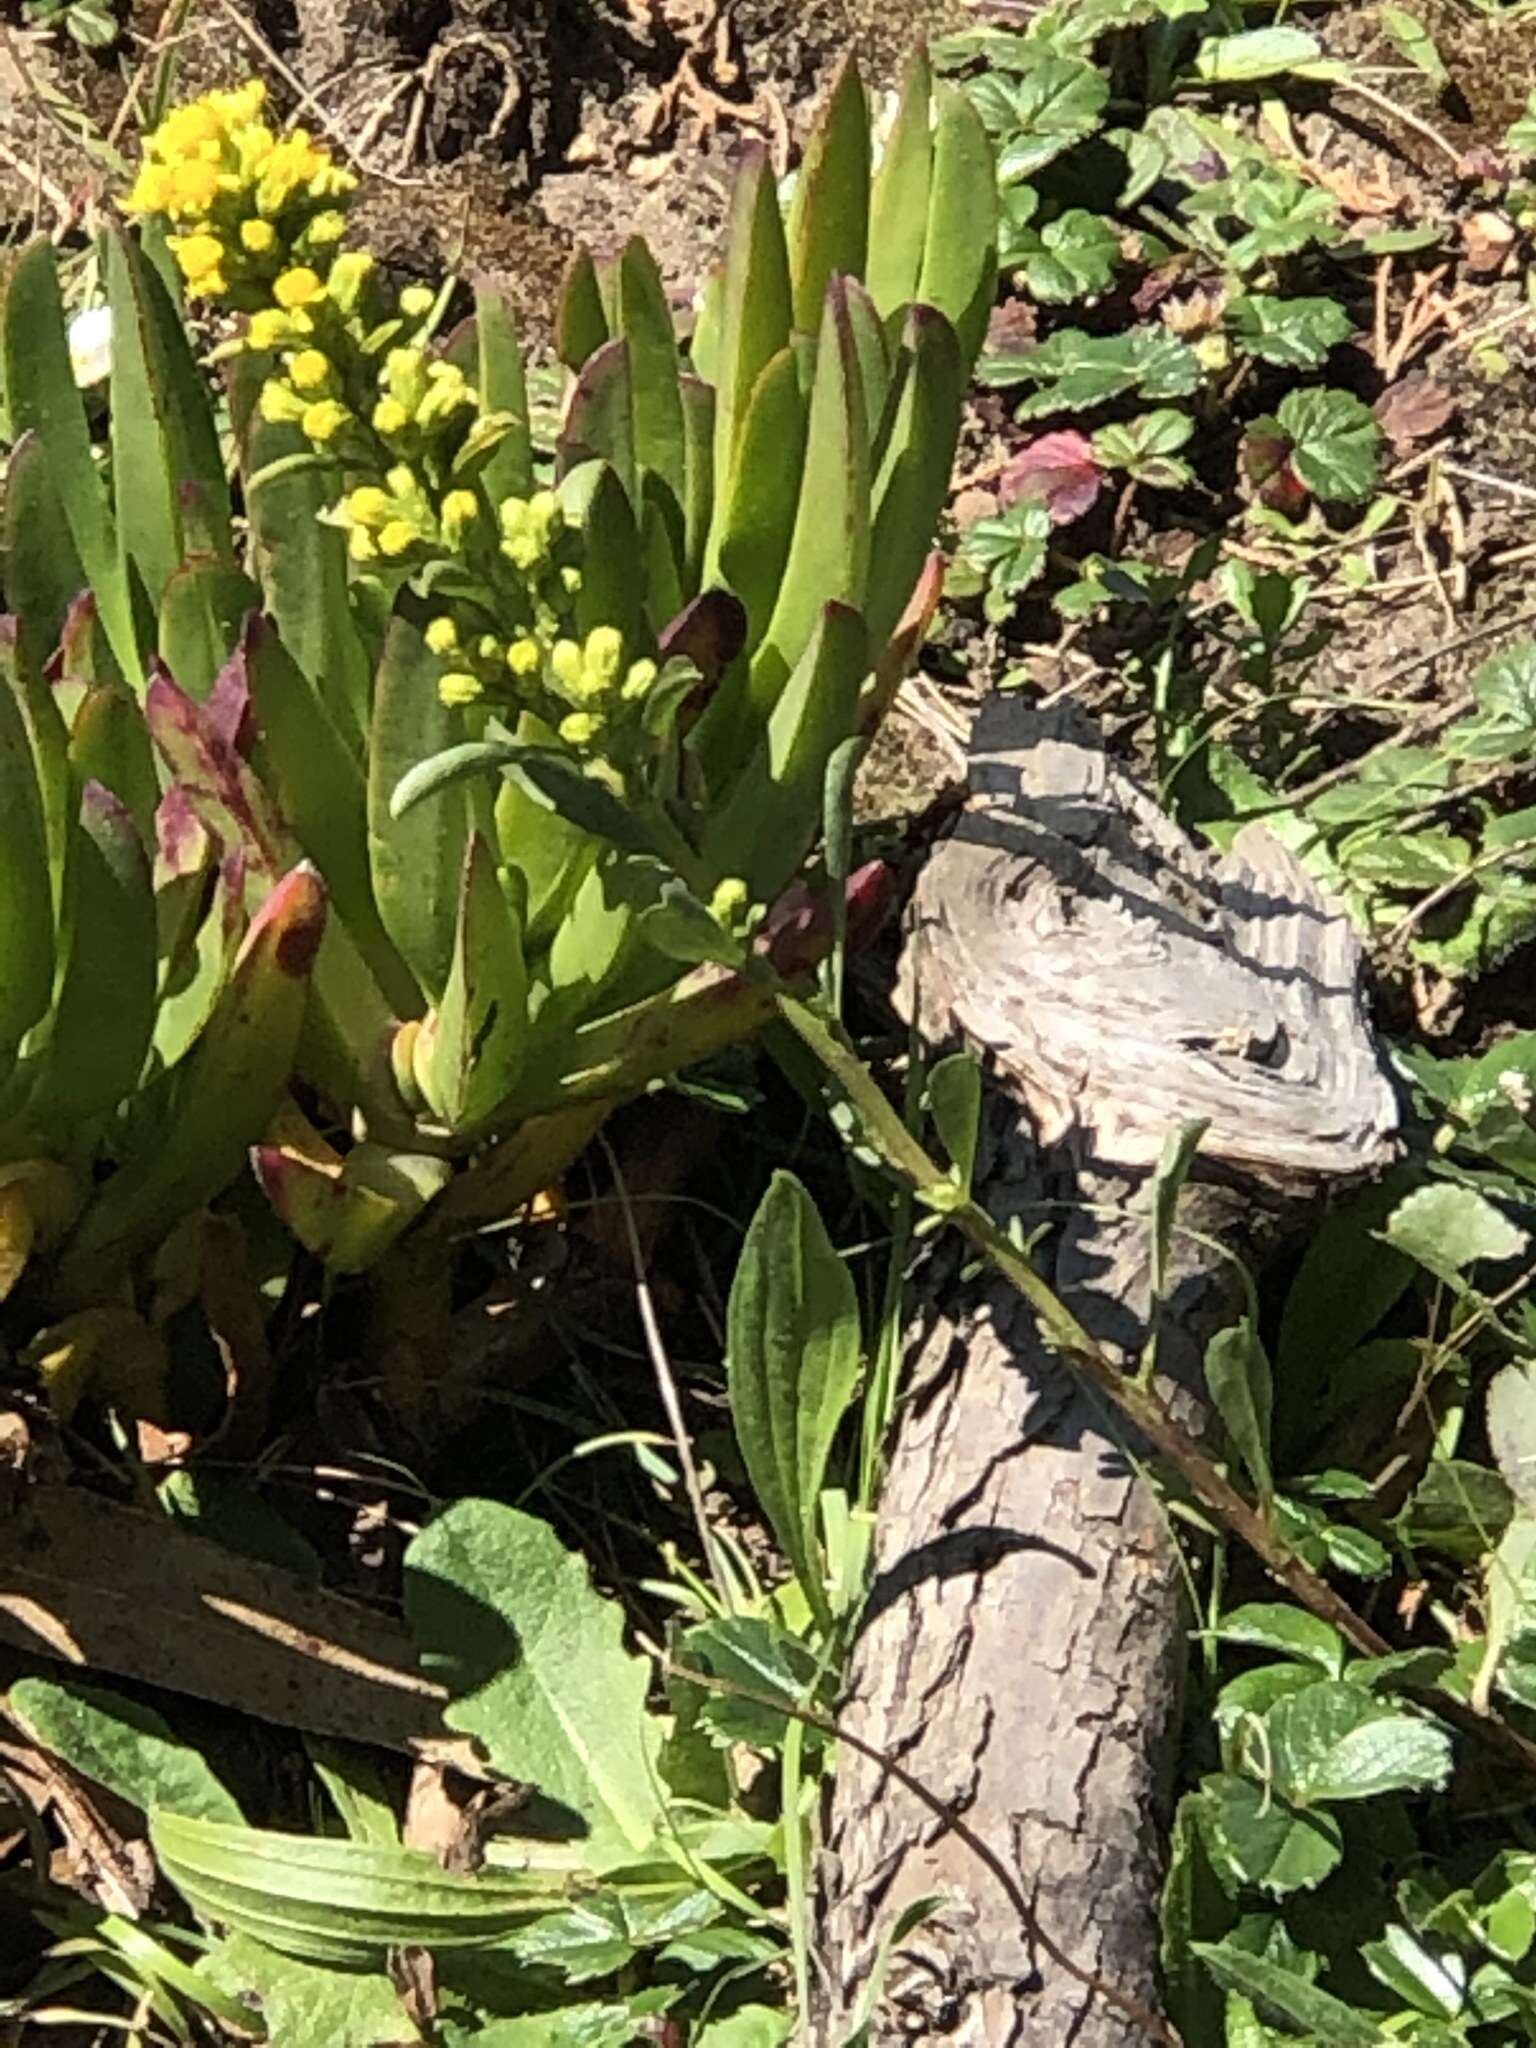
(755, 310)
(873, 350)
(828, 232)
(698, 476)
(225, 1092)
(503, 385)
(335, 1901)
(416, 856)
(912, 486)
(759, 514)
(299, 562)
(109, 744)
(581, 324)
(829, 550)
(959, 272)
(317, 782)
(767, 822)
(104, 1012)
(26, 894)
(163, 435)
(600, 419)
(201, 608)
(43, 573)
(348, 1212)
(45, 401)
(612, 589)
(645, 321)
(470, 1051)
(548, 852)
(898, 207)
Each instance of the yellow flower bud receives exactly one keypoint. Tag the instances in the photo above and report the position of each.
(580, 728)
(565, 664)
(267, 329)
(310, 370)
(604, 652)
(348, 275)
(730, 901)
(323, 232)
(489, 648)
(460, 511)
(390, 417)
(199, 258)
(298, 287)
(397, 537)
(191, 189)
(281, 405)
(545, 513)
(522, 551)
(639, 679)
(570, 580)
(442, 635)
(417, 300)
(368, 505)
(458, 688)
(324, 420)
(525, 657)
(258, 237)
(360, 544)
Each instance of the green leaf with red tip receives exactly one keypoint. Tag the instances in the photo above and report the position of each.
(43, 399)
(599, 421)
(104, 1012)
(898, 207)
(645, 321)
(754, 324)
(828, 230)
(959, 270)
(759, 514)
(764, 828)
(225, 1092)
(581, 324)
(698, 476)
(26, 892)
(471, 1049)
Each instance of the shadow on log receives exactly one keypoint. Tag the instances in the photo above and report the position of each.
(1023, 1646)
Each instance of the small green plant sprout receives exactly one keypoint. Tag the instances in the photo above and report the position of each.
(93, 24)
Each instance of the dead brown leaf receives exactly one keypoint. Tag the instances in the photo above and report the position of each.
(1486, 239)
(1412, 410)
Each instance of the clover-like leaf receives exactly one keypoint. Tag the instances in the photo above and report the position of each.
(1059, 471)
(1335, 443)
(1056, 102)
(1295, 333)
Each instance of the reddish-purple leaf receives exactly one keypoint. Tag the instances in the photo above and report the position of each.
(1059, 470)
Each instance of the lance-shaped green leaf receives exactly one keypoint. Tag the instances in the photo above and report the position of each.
(104, 1012)
(43, 573)
(469, 1052)
(550, 854)
(600, 419)
(829, 551)
(755, 306)
(758, 515)
(645, 321)
(201, 608)
(959, 273)
(828, 230)
(26, 894)
(612, 589)
(122, 1744)
(44, 400)
(335, 1901)
(898, 657)
(416, 856)
(873, 352)
(200, 934)
(535, 1662)
(225, 1090)
(319, 788)
(299, 562)
(581, 324)
(698, 476)
(150, 448)
(765, 826)
(913, 481)
(503, 385)
(792, 1363)
(109, 744)
(898, 206)
(346, 1212)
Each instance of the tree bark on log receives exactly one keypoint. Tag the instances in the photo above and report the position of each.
(1023, 1646)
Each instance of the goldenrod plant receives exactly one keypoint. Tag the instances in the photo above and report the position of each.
(388, 752)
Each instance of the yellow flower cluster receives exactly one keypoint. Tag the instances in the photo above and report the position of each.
(247, 205)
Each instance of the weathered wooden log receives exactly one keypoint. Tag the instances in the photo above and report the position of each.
(1026, 1632)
